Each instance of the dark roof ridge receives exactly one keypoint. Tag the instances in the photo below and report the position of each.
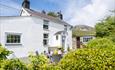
(36, 13)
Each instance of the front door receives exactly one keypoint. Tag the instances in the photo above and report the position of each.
(78, 42)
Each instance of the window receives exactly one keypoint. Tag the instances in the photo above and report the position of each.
(56, 37)
(45, 35)
(13, 38)
(86, 39)
(65, 27)
(45, 40)
(46, 25)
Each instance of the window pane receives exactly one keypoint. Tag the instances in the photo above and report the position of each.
(13, 38)
(65, 27)
(45, 35)
(87, 39)
(45, 42)
(45, 25)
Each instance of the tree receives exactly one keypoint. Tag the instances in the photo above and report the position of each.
(106, 28)
(52, 14)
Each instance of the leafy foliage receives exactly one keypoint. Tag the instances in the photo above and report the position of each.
(38, 62)
(106, 28)
(52, 14)
(52, 67)
(88, 59)
(13, 64)
(98, 55)
(100, 43)
(4, 52)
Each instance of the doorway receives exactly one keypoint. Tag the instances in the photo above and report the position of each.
(78, 42)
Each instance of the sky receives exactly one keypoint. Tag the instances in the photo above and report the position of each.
(75, 12)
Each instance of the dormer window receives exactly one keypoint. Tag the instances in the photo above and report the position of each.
(65, 27)
(46, 25)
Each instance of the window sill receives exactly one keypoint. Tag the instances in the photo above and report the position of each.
(46, 45)
(12, 44)
(46, 29)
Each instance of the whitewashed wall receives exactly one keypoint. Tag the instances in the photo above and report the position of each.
(31, 34)
(31, 30)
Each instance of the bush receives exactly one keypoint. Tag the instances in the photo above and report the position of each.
(12, 64)
(51, 67)
(88, 59)
(100, 43)
(4, 52)
(38, 62)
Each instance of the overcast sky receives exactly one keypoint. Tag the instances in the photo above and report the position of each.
(84, 12)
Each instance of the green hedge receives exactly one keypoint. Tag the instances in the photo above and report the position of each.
(38, 62)
(12, 64)
(101, 43)
(98, 55)
(89, 59)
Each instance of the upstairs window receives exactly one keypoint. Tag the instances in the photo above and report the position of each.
(45, 35)
(65, 27)
(13, 38)
(46, 25)
(45, 39)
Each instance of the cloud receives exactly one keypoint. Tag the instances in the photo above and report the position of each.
(87, 12)
(91, 13)
(9, 8)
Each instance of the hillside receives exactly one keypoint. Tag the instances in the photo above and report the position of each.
(81, 30)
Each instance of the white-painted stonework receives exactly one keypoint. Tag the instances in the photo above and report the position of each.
(30, 29)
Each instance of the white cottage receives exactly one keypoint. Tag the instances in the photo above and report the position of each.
(82, 34)
(34, 31)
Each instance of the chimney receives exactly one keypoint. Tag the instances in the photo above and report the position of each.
(26, 4)
(60, 15)
(43, 11)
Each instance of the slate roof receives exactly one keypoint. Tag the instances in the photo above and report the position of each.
(60, 32)
(54, 19)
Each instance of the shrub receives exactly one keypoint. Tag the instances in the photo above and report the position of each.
(51, 67)
(38, 62)
(100, 43)
(4, 52)
(12, 64)
(88, 59)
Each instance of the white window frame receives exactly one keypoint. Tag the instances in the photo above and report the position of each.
(65, 28)
(9, 33)
(46, 39)
(88, 38)
(46, 22)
